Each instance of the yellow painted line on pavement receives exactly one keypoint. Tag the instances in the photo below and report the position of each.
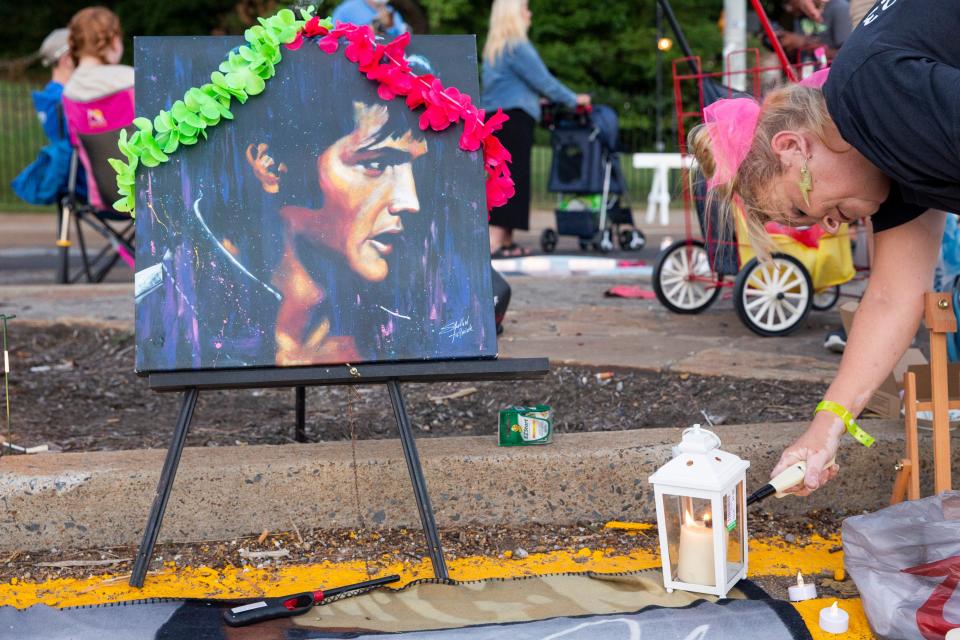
(188, 582)
(767, 557)
(629, 526)
(777, 557)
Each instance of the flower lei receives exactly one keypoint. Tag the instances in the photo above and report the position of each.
(245, 71)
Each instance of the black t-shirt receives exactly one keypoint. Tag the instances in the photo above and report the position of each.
(894, 93)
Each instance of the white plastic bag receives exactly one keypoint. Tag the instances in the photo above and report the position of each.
(905, 560)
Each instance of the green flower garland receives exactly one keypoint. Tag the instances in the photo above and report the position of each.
(243, 74)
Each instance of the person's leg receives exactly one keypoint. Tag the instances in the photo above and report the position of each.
(500, 237)
(517, 137)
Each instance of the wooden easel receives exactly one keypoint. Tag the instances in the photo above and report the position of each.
(940, 320)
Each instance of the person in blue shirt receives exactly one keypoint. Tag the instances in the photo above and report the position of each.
(45, 179)
(384, 19)
(514, 79)
(55, 53)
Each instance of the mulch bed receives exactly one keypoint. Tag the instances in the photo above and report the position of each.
(75, 390)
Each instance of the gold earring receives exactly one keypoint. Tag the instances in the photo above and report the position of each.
(806, 182)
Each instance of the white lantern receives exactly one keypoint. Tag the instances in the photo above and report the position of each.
(701, 515)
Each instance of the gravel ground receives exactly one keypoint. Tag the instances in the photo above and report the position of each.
(74, 389)
(387, 545)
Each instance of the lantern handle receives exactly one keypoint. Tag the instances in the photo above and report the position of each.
(698, 429)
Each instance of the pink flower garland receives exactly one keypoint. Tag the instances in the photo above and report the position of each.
(386, 65)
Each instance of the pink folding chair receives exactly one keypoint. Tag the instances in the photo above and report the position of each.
(94, 129)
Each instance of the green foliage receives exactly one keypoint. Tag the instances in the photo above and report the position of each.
(244, 73)
(608, 50)
(456, 16)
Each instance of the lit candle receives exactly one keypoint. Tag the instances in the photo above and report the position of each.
(802, 591)
(834, 619)
(695, 555)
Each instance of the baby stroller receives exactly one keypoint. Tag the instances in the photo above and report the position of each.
(586, 176)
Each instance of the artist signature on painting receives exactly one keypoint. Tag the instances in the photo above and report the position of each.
(456, 330)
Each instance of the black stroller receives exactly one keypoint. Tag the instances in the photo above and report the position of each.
(586, 176)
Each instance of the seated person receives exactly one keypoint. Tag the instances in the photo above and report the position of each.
(384, 19)
(98, 97)
(46, 179)
(55, 53)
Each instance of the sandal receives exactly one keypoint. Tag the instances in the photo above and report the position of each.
(510, 251)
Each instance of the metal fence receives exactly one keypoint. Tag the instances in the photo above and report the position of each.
(21, 137)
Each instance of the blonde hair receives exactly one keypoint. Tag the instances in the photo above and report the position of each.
(92, 32)
(508, 28)
(790, 108)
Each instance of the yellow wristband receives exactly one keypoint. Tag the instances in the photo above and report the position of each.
(853, 428)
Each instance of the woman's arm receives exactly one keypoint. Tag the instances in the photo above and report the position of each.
(883, 328)
(526, 63)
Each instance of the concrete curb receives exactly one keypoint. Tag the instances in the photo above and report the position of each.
(75, 500)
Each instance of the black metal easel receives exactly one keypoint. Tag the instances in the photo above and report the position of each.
(391, 374)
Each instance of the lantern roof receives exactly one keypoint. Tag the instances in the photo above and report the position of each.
(700, 464)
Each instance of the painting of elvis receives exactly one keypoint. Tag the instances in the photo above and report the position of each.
(321, 226)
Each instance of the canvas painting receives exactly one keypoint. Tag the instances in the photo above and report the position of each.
(319, 226)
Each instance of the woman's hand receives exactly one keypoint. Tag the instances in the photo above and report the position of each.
(886, 321)
(812, 8)
(817, 447)
(583, 99)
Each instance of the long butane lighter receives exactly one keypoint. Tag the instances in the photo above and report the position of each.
(789, 477)
(294, 605)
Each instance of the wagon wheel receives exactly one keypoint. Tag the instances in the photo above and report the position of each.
(773, 299)
(548, 240)
(683, 279)
(603, 241)
(632, 239)
(824, 299)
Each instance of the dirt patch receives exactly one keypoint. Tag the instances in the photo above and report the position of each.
(384, 546)
(75, 390)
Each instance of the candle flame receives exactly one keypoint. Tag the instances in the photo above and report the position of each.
(707, 519)
(687, 517)
(834, 612)
(799, 579)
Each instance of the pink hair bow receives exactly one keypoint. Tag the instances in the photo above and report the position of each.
(731, 124)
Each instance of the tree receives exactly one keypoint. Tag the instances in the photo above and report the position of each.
(607, 50)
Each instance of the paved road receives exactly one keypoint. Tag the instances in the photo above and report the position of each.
(567, 318)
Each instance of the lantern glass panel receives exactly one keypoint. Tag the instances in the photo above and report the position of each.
(734, 518)
(689, 529)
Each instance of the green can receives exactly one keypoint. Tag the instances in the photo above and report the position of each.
(521, 426)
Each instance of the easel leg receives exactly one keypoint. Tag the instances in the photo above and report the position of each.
(300, 432)
(418, 481)
(145, 552)
(902, 482)
(941, 411)
(940, 320)
(913, 440)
